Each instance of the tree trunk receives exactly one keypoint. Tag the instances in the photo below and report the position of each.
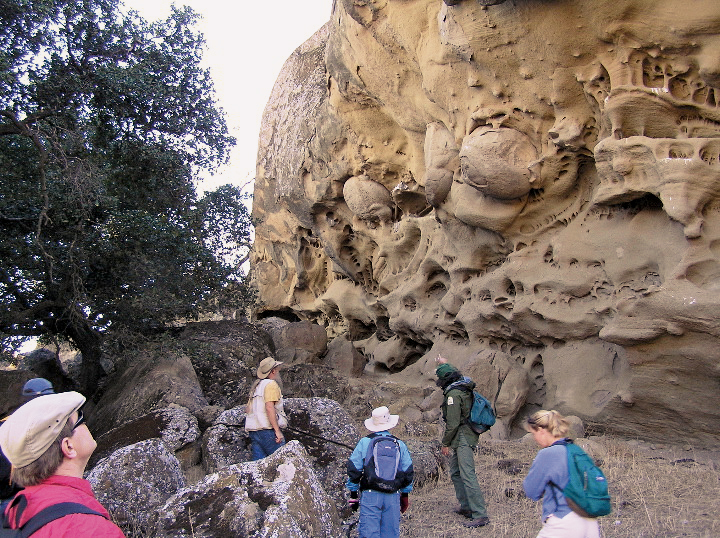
(88, 341)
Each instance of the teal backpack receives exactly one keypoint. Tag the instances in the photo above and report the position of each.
(587, 490)
(482, 415)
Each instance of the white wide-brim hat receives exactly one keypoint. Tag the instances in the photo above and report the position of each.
(381, 419)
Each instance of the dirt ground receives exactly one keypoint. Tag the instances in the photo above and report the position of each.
(657, 492)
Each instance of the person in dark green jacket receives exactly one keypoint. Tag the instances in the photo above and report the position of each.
(456, 406)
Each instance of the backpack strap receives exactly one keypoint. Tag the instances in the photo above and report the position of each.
(49, 514)
(20, 503)
(565, 441)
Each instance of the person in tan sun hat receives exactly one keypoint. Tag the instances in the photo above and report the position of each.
(265, 413)
(49, 445)
(380, 476)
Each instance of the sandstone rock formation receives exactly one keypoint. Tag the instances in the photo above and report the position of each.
(530, 188)
(300, 342)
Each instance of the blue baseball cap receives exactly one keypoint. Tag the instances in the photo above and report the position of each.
(38, 386)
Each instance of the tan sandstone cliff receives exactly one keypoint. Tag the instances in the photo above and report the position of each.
(530, 187)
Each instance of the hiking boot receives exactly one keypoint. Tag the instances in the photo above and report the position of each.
(479, 522)
(464, 513)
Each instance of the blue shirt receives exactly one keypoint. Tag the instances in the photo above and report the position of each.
(550, 465)
(357, 459)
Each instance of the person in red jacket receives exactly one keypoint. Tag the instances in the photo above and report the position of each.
(49, 445)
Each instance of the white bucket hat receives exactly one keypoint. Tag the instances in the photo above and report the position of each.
(381, 419)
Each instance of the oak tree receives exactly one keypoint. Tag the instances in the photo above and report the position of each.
(106, 122)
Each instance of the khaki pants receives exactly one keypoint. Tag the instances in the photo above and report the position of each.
(462, 473)
(570, 526)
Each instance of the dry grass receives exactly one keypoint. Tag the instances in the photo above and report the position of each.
(658, 496)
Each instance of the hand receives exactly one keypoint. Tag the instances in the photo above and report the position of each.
(279, 437)
(353, 501)
(445, 450)
(404, 502)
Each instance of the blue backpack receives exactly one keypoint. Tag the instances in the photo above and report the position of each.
(587, 489)
(381, 463)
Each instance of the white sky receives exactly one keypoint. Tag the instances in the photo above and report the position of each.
(247, 44)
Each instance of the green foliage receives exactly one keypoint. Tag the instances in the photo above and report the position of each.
(105, 122)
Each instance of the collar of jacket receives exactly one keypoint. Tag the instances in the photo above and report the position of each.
(465, 383)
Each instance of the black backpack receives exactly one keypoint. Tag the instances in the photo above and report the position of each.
(42, 518)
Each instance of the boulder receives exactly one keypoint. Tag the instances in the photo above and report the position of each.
(329, 435)
(226, 442)
(321, 425)
(155, 380)
(344, 357)
(175, 426)
(134, 481)
(11, 384)
(44, 362)
(278, 496)
(427, 460)
(313, 381)
(225, 355)
(298, 342)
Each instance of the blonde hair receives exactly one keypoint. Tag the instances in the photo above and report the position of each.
(552, 421)
(45, 466)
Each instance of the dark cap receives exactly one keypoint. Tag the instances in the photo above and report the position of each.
(444, 370)
(38, 386)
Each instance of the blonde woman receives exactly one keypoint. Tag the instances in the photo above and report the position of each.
(549, 475)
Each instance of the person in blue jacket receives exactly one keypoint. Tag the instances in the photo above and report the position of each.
(549, 475)
(379, 509)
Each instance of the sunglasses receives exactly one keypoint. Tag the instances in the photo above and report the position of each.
(80, 420)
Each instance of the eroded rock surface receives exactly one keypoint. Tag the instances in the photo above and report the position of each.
(530, 188)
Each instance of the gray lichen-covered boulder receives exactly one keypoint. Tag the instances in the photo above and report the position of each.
(321, 425)
(329, 434)
(225, 355)
(278, 496)
(175, 426)
(155, 380)
(314, 381)
(133, 481)
(427, 460)
(226, 442)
